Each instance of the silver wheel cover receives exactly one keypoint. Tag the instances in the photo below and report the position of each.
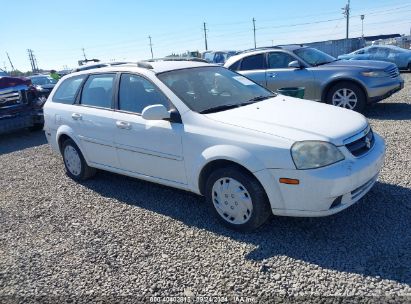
(232, 201)
(72, 160)
(345, 98)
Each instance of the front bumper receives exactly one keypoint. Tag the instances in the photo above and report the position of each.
(324, 191)
(380, 91)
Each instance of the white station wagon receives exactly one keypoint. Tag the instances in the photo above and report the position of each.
(206, 129)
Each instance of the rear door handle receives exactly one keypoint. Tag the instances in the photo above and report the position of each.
(272, 75)
(76, 116)
(123, 125)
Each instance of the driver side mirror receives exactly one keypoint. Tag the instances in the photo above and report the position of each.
(155, 112)
(294, 64)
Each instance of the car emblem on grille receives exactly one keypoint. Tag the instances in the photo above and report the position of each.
(367, 142)
(3, 100)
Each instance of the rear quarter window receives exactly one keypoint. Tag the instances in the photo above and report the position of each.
(67, 91)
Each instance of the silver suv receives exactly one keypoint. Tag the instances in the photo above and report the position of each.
(351, 84)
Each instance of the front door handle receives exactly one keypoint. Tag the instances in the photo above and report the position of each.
(123, 125)
(76, 116)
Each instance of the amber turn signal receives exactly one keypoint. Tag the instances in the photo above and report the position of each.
(289, 181)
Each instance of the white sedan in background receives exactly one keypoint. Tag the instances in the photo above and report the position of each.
(206, 129)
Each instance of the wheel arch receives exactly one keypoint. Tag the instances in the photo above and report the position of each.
(333, 82)
(64, 133)
(223, 156)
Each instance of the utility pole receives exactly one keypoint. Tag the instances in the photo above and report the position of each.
(151, 47)
(362, 26)
(346, 13)
(255, 43)
(205, 36)
(30, 52)
(84, 54)
(11, 64)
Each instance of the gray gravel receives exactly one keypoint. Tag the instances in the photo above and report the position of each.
(117, 237)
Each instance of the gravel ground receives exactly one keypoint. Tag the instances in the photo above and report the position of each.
(115, 236)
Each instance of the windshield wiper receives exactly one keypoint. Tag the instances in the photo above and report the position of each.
(220, 108)
(236, 105)
(258, 98)
(325, 62)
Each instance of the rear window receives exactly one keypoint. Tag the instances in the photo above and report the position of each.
(255, 62)
(67, 91)
(98, 91)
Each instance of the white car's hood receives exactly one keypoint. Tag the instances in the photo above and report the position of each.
(295, 119)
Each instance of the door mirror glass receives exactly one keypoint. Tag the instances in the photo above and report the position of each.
(294, 64)
(155, 112)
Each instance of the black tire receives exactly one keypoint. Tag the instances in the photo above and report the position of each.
(409, 67)
(85, 171)
(359, 93)
(261, 210)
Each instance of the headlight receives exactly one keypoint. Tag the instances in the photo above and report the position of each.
(39, 88)
(315, 154)
(375, 74)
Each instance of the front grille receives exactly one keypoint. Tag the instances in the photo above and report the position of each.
(9, 98)
(392, 71)
(361, 145)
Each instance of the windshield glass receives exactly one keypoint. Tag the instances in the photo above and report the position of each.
(43, 80)
(313, 56)
(206, 88)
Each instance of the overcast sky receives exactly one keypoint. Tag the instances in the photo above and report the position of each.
(56, 31)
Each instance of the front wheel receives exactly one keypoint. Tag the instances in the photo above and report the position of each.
(237, 199)
(347, 95)
(76, 166)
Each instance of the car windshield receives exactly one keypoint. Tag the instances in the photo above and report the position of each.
(213, 89)
(313, 56)
(43, 80)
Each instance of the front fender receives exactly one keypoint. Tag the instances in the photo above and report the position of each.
(326, 85)
(231, 153)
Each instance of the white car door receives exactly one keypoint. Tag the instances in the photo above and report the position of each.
(93, 120)
(149, 148)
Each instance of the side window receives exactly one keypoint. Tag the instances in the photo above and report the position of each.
(136, 93)
(255, 62)
(372, 50)
(66, 92)
(279, 60)
(97, 91)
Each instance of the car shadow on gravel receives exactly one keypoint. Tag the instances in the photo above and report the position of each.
(389, 111)
(20, 140)
(371, 238)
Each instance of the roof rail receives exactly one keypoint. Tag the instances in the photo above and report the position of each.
(177, 59)
(259, 49)
(144, 65)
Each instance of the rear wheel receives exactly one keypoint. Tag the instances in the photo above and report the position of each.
(237, 199)
(347, 95)
(76, 166)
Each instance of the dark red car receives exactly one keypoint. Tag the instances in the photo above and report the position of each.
(20, 106)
